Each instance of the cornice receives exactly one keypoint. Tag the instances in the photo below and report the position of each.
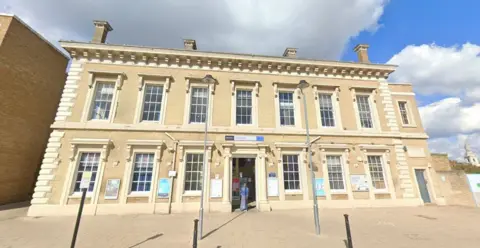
(245, 63)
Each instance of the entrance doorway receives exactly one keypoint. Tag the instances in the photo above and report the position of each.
(243, 171)
(422, 185)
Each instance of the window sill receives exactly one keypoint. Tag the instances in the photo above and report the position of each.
(381, 192)
(293, 192)
(192, 193)
(409, 125)
(139, 194)
(78, 195)
(335, 192)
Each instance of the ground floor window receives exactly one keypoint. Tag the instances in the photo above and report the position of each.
(142, 172)
(193, 172)
(335, 173)
(88, 162)
(291, 175)
(376, 172)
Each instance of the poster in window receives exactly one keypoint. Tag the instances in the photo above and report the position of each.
(111, 190)
(272, 186)
(163, 188)
(359, 182)
(319, 187)
(216, 188)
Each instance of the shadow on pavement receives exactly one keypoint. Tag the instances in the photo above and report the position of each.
(224, 224)
(151, 238)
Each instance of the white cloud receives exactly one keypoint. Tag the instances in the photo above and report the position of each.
(248, 26)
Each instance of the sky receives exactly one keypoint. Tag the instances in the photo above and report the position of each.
(435, 43)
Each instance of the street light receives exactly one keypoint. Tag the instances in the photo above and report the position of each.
(302, 85)
(208, 79)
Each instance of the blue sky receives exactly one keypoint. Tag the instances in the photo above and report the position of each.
(436, 43)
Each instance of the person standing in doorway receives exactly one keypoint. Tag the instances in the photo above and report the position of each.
(244, 197)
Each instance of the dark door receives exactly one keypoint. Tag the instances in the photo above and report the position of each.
(422, 185)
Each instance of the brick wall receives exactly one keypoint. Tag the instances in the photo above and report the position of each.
(32, 78)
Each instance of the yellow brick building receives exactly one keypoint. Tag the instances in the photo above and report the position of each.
(134, 117)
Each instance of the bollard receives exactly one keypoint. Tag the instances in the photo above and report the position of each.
(349, 234)
(195, 230)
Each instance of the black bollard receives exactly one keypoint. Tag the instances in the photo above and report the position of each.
(349, 234)
(195, 230)
(79, 216)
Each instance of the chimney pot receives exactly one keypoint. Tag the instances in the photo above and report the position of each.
(189, 44)
(362, 53)
(290, 52)
(101, 31)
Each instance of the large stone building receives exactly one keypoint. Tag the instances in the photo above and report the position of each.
(32, 75)
(134, 117)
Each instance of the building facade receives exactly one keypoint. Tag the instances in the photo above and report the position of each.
(32, 75)
(133, 118)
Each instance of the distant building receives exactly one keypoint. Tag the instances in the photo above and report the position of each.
(134, 117)
(470, 156)
(32, 76)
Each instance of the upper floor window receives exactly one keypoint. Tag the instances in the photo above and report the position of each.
(152, 102)
(102, 101)
(335, 173)
(198, 105)
(377, 172)
(88, 162)
(364, 111)
(244, 107)
(193, 172)
(142, 172)
(291, 173)
(287, 109)
(403, 112)
(327, 115)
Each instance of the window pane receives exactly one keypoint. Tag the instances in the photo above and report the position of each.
(376, 172)
(364, 111)
(193, 172)
(102, 101)
(152, 102)
(142, 172)
(326, 110)
(335, 173)
(198, 105)
(291, 176)
(244, 107)
(403, 112)
(88, 162)
(287, 111)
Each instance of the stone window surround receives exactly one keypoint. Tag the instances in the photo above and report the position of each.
(92, 84)
(373, 108)
(299, 149)
(141, 146)
(197, 83)
(242, 84)
(287, 87)
(376, 150)
(103, 146)
(334, 91)
(411, 119)
(342, 150)
(152, 79)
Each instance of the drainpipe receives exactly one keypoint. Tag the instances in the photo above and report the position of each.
(175, 146)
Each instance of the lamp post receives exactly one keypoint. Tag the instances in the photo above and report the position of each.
(208, 79)
(302, 85)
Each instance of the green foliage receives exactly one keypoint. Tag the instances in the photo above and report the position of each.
(468, 168)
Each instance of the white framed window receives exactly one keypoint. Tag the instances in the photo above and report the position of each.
(102, 101)
(243, 113)
(327, 113)
(152, 102)
(364, 111)
(142, 173)
(377, 172)
(87, 162)
(405, 113)
(193, 172)
(328, 107)
(198, 102)
(198, 105)
(336, 176)
(152, 98)
(291, 173)
(287, 108)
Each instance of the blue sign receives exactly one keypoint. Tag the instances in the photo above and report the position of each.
(320, 191)
(244, 138)
(163, 188)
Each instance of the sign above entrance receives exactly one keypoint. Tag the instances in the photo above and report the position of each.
(244, 138)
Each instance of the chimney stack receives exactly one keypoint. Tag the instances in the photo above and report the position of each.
(101, 30)
(362, 53)
(290, 52)
(189, 44)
